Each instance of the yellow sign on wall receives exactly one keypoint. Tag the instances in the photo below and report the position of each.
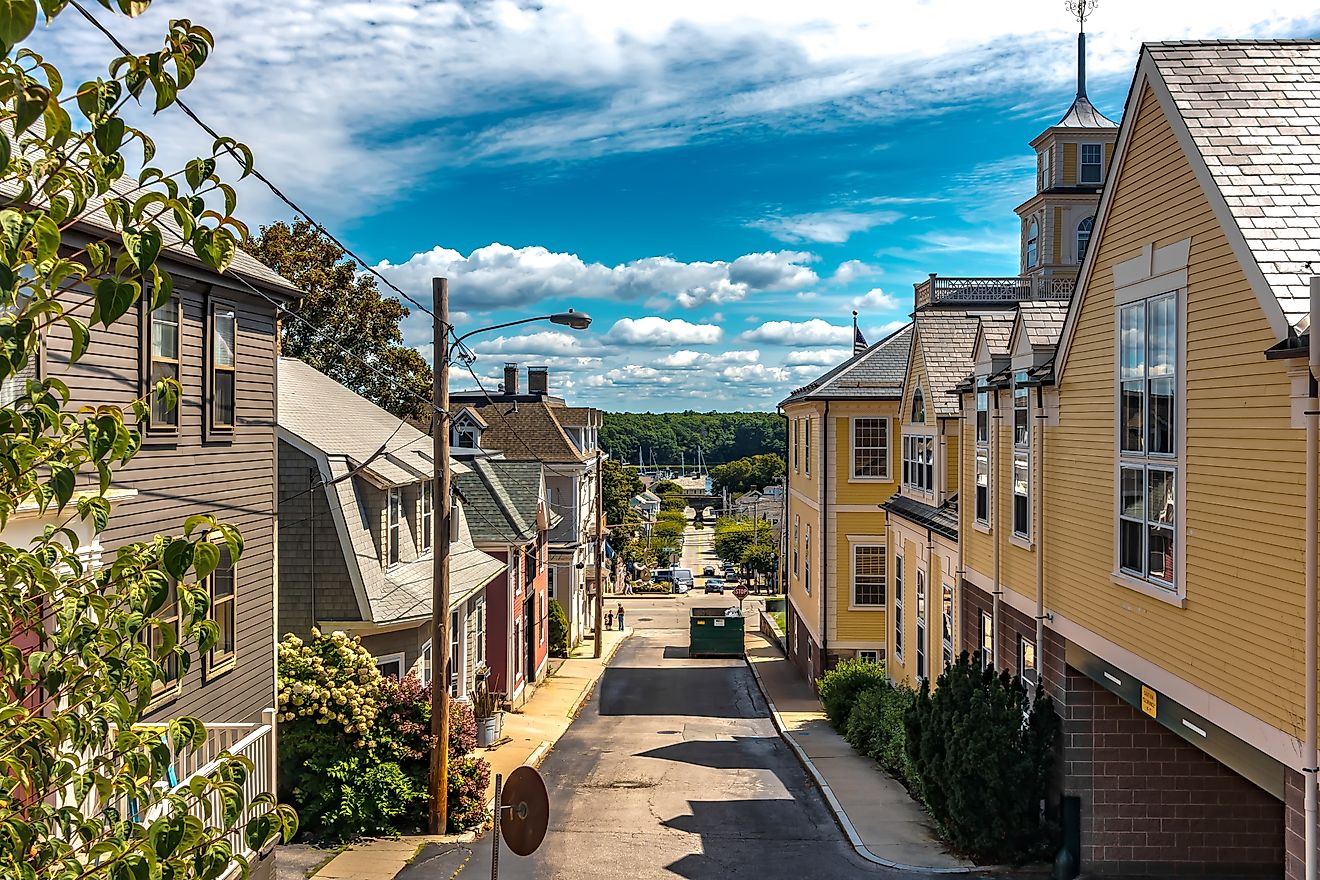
(1149, 702)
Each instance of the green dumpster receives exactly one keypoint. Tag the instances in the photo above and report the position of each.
(714, 633)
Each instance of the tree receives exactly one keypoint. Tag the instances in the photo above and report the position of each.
(356, 315)
(84, 791)
(745, 474)
(668, 437)
(666, 487)
(619, 485)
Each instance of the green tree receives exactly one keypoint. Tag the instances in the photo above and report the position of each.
(745, 474)
(619, 485)
(666, 487)
(84, 791)
(344, 309)
(667, 437)
(761, 557)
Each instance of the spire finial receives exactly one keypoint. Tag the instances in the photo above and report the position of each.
(1081, 10)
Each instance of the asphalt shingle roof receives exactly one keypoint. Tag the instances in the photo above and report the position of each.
(528, 431)
(942, 520)
(876, 373)
(1043, 321)
(947, 338)
(1253, 110)
(502, 500)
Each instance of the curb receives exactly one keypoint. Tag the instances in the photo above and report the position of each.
(840, 815)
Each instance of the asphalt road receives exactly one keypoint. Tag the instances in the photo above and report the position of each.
(672, 770)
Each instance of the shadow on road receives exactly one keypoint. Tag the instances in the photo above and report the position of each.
(676, 652)
(706, 691)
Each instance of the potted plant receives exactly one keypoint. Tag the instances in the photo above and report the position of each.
(486, 710)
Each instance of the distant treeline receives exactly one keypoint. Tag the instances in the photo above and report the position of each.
(665, 437)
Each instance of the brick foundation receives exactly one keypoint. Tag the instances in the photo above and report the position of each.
(801, 648)
(1295, 821)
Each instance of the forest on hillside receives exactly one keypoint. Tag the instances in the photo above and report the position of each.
(665, 437)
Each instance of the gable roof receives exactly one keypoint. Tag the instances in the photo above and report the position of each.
(947, 338)
(358, 429)
(1252, 111)
(502, 499)
(876, 373)
(1042, 321)
(528, 432)
(997, 330)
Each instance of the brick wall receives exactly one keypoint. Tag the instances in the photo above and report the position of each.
(1295, 822)
(801, 650)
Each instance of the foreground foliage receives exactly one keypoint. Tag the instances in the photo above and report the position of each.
(85, 788)
(355, 745)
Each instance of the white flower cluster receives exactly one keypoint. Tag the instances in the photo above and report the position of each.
(331, 679)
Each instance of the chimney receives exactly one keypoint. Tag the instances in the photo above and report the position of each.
(538, 380)
(510, 378)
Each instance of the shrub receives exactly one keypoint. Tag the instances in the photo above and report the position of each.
(357, 795)
(876, 728)
(651, 587)
(558, 630)
(983, 754)
(840, 687)
(468, 779)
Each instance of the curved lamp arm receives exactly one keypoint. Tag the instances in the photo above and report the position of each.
(571, 319)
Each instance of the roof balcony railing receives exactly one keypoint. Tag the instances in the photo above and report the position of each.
(948, 290)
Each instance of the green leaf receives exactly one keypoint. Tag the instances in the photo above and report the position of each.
(178, 557)
(46, 236)
(166, 90)
(206, 558)
(62, 482)
(30, 104)
(82, 337)
(143, 247)
(109, 135)
(17, 19)
(113, 299)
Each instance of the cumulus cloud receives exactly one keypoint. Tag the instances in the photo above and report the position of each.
(851, 270)
(817, 356)
(653, 330)
(547, 342)
(875, 298)
(694, 360)
(498, 275)
(826, 227)
(812, 332)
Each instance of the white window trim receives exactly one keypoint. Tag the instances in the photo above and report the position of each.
(852, 450)
(873, 658)
(1169, 280)
(1080, 148)
(1022, 642)
(1030, 259)
(806, 561)
(921, 642)
(898, 606)
(854, 542)
(425, 667)
(398, 658)
(929, 432)
(952, 642)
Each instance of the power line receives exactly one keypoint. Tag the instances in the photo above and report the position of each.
(275, 190)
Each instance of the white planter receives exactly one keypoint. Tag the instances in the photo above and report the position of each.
(488, 729)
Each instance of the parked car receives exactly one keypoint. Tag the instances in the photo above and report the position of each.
(708, 571)
(715, 585)
(678, 579)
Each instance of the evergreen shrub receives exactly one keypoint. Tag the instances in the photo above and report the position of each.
(876, 728)
(558, 630)
(840, 687)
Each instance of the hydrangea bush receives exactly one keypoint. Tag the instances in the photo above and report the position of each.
(331, 680)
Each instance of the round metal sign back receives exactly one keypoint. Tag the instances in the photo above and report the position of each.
(526, 812)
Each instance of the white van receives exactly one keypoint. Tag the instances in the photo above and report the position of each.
(681, 578)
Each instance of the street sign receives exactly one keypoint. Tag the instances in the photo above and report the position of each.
(740, 592)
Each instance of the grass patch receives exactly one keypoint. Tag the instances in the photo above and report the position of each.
(779, 619)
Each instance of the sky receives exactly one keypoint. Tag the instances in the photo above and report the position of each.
(718, 183)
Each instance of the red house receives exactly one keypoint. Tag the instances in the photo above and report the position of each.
(507, 513)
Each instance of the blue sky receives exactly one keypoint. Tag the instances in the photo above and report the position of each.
(717, 182)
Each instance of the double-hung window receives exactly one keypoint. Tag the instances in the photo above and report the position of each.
(1084, 237)
(806, 448)
(946, 624)
(393, 515)
(797, 434)
(870, 449)
(921, 624)
(869, 575)
(153, 636)
(987, 640)
(1026, 657)
(797, 543)
(456, 664)
(224, 336)
(481, 633)
(982, 475)
(1148, 466)
(223, 601)
(166, 330)
(806, 561)
(898, 607)
(427, 522)
(1043, 181)
(1033, 236)
(1091, 165)
(1021, 456)
(427, 663)
(919, 462)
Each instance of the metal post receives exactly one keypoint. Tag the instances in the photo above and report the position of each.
(439, 775)
(599, 649)
(495, 830)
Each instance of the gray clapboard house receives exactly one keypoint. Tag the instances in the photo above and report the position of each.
(214, 453)
(356, 521)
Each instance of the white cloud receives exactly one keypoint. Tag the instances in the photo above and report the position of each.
(687, 359)
(851, 270)
(811, 332)
(817, 356)
(875, 298)
(498, 275)
(548, 342)
(830, 227)
(658, 331)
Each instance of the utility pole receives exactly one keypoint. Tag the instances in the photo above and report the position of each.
(600, 562)
(439, 775)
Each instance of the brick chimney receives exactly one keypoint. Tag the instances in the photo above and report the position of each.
(538, 380)
(510, 378)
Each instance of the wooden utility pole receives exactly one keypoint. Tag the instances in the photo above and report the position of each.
(600, 561)
(439, 775)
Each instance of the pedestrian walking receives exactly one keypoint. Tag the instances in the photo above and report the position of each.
(609, 620)
(620, 615)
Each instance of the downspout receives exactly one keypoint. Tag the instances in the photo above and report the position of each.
(1040, 532)
(1312, 479)
(997, 527)
(825, 540)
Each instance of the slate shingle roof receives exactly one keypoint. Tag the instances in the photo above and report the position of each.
(876, 373)
(1253, 111)
(528, 431)
(947, 338)
(502, 500)
(1043, 321)
(998, 332)
(1082, 114)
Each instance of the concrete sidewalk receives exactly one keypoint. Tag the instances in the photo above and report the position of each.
(529, 734)
(883, 822)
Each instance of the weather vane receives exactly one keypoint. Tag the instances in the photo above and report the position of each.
(1081, 10)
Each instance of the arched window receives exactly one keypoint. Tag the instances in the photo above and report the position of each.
(918, 408)
(1032, 233)
(1084, 237)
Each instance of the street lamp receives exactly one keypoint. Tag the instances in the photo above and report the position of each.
(443, 349)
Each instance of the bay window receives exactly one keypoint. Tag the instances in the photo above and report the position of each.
(1147, 411)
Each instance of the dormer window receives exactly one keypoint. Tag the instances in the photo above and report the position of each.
(465, 438)
(1091, 165)
(1033, 233)
(918, 408)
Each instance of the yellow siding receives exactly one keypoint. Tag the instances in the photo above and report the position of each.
(901, 669)
(1058, 236)
(1238, 636)
(916, 378)
(978, 547)
(855, 625)
(1109, 157)
(863, 491)
(1069, 164)
(951, 460)
(807, 606)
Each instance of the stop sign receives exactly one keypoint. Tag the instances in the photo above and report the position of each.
(740, 592)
